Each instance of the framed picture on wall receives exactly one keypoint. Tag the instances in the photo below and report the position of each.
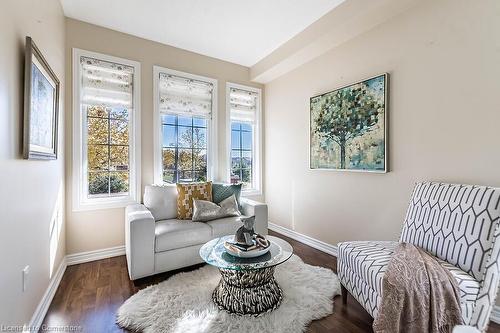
(348, 127)
(41, 106)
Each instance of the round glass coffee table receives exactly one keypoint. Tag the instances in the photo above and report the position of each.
(247, 286)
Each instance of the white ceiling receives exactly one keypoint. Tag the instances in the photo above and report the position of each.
(239, 31)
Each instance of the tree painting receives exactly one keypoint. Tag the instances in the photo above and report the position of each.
(348, 127)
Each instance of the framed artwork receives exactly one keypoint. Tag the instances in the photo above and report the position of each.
(348, 127)
(41, 106)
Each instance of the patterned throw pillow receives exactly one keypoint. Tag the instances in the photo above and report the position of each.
(224, 191)
(204, 211)
(185, 195)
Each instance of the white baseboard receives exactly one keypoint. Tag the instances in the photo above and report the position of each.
(71, 259)
(43, 306)
(312, 242)
(82, 257)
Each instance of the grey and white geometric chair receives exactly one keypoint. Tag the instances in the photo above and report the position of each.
(459, 224)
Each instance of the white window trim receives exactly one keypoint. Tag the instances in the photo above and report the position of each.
(79, 164)
(157, 137)
(257, 136)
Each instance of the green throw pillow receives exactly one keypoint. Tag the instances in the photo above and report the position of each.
(224, 191)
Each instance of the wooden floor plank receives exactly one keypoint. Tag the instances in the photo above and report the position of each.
(90, 294)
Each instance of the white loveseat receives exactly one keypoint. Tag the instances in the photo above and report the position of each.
(155, 241)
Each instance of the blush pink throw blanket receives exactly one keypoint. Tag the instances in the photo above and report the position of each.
(418, 295)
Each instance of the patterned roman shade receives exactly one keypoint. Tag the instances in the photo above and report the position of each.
(184, 96)
(243, 105)
(106, 83)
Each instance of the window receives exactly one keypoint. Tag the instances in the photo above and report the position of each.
(243, 105)
(184, 135)
(106, 140)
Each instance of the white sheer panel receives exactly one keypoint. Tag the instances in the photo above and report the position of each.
(184, 96)
(106, 83)
(243, 104)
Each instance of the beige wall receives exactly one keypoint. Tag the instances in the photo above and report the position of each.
(443, 58)
(92, 230)
(29, 190)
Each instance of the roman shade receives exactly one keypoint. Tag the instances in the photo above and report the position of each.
(106, 83)
(184, 96)
(243, 105)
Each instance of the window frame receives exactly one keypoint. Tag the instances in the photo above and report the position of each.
(157, 124)
(256, 138)
(81, 201)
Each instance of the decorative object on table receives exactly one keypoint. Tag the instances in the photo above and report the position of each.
(247, 285)
(348, 127)
(183, 303)
(41, 106)
(244, 235)
(247, 243)
(261, 246)
(204, 211)
(186, 193)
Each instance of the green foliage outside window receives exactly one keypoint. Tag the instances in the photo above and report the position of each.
(107, 150)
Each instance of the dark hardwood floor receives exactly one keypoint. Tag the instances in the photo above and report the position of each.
(90, 294)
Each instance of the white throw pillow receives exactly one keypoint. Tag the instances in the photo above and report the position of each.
(204, 211)
(161, 201)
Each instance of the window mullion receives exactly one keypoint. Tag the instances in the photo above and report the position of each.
(241, 153)
(192, 149)
(109, 155)
(176, 171)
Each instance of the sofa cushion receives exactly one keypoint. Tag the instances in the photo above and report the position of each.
(204, 211)
(187, 193)
(174, 234)
(454, 222)
(362, 265)
(225, 226)
(224, 191)
(469, 287)
(367, 259)
(161, 201)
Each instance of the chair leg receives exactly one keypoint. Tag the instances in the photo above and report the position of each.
(344, 294)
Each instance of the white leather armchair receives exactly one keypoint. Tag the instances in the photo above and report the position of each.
(155, 241)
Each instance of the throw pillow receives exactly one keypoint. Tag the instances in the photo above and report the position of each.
(185, 195)
(224, 191)
(204, 211)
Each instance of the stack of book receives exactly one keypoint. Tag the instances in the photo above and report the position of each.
(260, 244)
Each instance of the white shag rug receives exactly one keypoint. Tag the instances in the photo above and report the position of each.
(183, 303)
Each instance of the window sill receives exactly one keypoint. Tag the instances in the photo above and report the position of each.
(104, 204)
(250, 193)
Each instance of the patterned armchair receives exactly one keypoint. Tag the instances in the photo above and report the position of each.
(459, 224)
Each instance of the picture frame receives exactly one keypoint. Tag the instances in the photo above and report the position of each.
(349, 127)
(41, 106)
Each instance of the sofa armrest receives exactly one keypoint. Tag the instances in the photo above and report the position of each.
(139, 241)
(259, 209)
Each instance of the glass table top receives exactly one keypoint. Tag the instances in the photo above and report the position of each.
(215, 254)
